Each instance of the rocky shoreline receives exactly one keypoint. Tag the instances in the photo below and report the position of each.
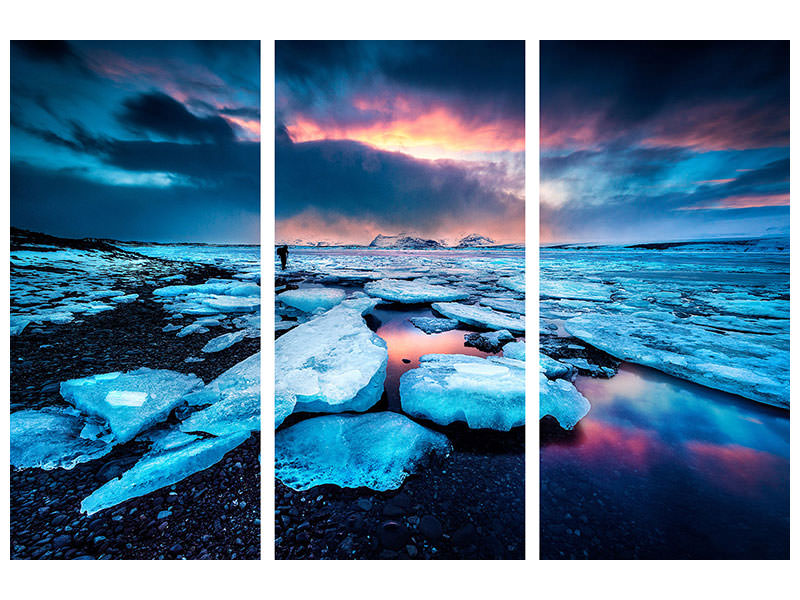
(213, 514)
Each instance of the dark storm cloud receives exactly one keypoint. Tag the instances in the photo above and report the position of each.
(66, 203)
(161, 114)
(135, 122)
(351, 179)
(479, 79)
(697, 93)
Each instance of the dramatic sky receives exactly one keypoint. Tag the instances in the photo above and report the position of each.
(659, 141)
(154, 141)
(426, 138)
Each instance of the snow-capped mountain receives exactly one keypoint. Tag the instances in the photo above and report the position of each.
(402, 240)
(474, 240)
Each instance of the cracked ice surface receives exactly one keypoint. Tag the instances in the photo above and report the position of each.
(483, 392)
(332, 363)
(171, 459)
(374, 450)
(478, 316)
(53, 438)
(412, 292)
(130, 402)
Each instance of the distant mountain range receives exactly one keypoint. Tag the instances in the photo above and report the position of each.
(409, 241)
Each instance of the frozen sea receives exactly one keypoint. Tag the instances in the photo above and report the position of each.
(684, 452)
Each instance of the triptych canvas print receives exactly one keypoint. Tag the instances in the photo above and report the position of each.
(396, 358)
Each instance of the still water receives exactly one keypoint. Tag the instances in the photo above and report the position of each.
(663, 468)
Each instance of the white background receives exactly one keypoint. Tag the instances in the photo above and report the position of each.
(405, 19)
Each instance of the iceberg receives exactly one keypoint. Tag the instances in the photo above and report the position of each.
(412, 292)
(130, 402)
(560, 399)
(734, 363)
(373, 450)
(235, 399)
(170, 460)
(333, 362)
(478, 316)
(483, 392)
(312, 299)
(226, 340)
(51, 438)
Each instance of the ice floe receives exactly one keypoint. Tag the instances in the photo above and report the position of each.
(412, 292)
(53, 437)
(728, 362)
(373, 450)
(478, 316)
(226, 340)
(433, 324)
(515, 350)
(560, 399)
(483, 392)
(332, 363)
(130, 402)
(170, 460)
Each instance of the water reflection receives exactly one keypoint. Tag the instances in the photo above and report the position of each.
(674, 458)
(404, 341)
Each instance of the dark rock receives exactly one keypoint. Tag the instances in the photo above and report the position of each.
(430, 527)
(393, 535)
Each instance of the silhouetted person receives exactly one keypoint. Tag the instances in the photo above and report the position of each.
(283, 253)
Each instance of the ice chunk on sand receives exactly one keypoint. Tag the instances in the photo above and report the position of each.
(18, 324)
(51, 438)
(374, 450)
(312, 298)
(478, 316)
(170, 460)
(515, 350)
(130, 402)
(226, 340)
(412, 292)
(483, 392)
(333, 362)
(560, 399)
(733, 363)
(235, 398)
(433, 324)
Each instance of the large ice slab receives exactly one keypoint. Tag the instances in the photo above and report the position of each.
(312, 299)
(486, 393)
(560, 399)
(170, 460)
(734, 363)
(373, 450)
(413, 292)
(235, 399)
(51, 438)
(478, 316)
(332, 363)
(511, 305)
(130, 402)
